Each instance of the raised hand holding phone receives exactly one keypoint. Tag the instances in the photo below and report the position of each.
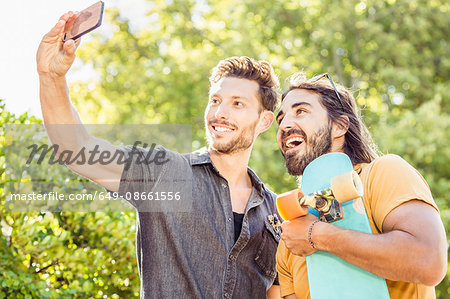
(56, 52)
(86, 21)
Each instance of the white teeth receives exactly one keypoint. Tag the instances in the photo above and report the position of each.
(290, 141)
(222, 129)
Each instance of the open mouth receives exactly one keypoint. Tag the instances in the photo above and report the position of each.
(222, 129)
(292, 141)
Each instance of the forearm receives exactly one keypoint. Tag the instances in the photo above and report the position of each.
(395, 255)
(62, 122)
(55, 102)
(57, 110)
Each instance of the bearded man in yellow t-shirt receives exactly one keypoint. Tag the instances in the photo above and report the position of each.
(408, 246)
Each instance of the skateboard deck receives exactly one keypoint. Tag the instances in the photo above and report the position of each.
(328, 275)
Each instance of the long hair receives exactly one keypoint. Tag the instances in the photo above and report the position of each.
(358, 145)
(251, 69)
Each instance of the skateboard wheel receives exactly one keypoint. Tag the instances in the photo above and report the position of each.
(346, 186)
(288, 206)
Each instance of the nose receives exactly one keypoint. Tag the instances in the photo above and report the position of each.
(286, 124)
(222, 111)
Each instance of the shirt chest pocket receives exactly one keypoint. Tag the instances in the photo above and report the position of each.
(265, 255)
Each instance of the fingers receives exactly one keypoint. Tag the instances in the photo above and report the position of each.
(284, 225)
(69, 48)
(60, 26)
(57, 30)
(77, 42)
(69, 15)
(70, 20)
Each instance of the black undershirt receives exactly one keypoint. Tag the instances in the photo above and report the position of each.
(237, 225)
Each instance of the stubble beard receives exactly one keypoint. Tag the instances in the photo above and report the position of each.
(238, 144)
(316, 145)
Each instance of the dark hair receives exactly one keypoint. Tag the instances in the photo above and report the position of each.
(251, 69)
(358, 145)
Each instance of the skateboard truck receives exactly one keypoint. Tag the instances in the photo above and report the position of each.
(327, 201)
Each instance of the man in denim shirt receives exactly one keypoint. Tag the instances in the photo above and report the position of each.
(225, 247)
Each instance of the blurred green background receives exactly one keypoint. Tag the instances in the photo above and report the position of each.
(395, 56)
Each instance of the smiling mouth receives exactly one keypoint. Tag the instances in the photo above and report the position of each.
(293, 141)
(222, 129)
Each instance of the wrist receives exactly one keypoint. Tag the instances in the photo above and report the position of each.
(53, 82)
(318, 235)
(310, 230)
(51, 77)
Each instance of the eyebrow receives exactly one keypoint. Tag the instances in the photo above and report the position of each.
(233, 97)
(295, 105)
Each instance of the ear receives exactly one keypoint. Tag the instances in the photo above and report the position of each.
(265, 121)
(339, 129)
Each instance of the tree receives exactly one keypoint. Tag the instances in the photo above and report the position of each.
(59, 254)
(393, 53)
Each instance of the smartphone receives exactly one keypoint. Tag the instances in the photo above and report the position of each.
(87, 20)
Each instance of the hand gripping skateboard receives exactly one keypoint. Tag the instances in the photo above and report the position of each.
(332, 191)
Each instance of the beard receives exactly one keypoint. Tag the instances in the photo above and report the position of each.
(240, 143)
(316, 145)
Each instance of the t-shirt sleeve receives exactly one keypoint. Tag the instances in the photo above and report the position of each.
(392, 182)
(285, 278)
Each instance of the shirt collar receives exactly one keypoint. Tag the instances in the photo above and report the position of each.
(256, 182)
(201, 156)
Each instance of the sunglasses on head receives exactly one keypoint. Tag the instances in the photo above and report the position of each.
(318, 77)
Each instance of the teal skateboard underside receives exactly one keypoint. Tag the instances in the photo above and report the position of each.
(328, 275)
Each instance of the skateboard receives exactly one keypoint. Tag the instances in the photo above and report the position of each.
(332, 190)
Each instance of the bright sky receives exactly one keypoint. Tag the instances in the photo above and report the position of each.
(23, 24)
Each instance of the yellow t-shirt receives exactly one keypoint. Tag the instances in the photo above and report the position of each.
(388, 182)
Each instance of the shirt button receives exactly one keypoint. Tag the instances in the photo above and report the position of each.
(224, 186)
(229, 219)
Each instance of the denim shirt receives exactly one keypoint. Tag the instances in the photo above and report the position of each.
(193, 254)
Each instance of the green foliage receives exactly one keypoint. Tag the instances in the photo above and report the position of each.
(394, 54)
(65, 254)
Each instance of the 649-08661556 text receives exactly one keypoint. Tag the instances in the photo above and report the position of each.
(53, 195)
